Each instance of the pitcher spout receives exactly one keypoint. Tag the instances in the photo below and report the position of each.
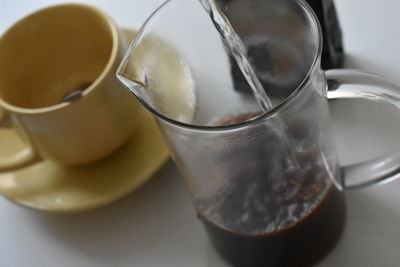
(159, 77)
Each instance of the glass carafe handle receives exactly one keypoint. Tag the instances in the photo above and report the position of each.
(357, 84)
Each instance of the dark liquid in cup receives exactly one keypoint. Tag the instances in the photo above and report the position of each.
(292, 220)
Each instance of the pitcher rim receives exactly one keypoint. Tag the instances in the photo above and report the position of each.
(257, 119)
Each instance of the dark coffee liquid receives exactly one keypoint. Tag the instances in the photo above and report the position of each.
(290, 217)
(300, 244)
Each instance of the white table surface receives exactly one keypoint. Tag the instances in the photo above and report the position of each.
(156, 225)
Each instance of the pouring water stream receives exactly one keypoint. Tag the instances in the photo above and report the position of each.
(237, 49)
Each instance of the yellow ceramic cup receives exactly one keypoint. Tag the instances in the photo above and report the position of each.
(58, 87)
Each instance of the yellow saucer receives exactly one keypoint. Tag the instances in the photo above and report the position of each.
(49, 186)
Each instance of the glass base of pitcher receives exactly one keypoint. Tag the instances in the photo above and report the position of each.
(300, 244)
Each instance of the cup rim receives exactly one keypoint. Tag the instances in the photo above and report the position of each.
(113, 54)
(262, 117)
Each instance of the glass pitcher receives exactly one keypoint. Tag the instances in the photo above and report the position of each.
(267, 185)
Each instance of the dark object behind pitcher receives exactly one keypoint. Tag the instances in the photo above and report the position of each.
(332, 53)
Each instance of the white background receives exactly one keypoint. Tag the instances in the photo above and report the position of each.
(156, 225)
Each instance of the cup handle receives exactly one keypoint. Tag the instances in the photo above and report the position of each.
(348, 83)
(25, 157)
